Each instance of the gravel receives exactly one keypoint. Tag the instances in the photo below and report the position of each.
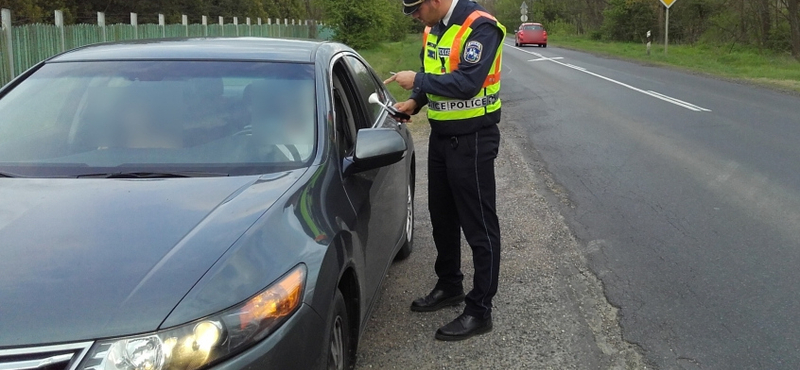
(550, 311)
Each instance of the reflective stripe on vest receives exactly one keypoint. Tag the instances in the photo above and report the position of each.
(454, 105)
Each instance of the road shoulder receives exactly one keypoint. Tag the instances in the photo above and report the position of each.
(550, 312)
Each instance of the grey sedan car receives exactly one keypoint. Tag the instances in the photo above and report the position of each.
(195, 204)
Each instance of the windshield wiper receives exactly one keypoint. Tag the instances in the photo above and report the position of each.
(151, 175)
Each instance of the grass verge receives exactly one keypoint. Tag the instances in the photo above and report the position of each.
(397, 56)
(779, 71)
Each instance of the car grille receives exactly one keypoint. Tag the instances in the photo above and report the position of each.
(57, 357)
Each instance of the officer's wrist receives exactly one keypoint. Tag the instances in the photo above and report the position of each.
(418, 81)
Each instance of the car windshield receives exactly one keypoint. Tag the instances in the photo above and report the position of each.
(228, 118)
(532, 28)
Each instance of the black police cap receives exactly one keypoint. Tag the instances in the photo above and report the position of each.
(411, 6)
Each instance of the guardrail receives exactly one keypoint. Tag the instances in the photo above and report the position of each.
(21, 47)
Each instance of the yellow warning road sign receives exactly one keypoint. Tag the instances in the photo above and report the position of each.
(668, 3)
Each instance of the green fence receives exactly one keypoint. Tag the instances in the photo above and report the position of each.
(33, 43)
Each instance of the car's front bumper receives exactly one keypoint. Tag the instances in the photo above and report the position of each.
(300, 343)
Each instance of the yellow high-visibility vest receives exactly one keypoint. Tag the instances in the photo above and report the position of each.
(454, 40)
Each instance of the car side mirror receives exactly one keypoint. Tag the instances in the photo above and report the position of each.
(375, 148)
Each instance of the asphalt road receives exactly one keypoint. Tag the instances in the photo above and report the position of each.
(683, 192)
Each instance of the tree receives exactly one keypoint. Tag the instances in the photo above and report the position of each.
(765, 19)
(364, 23)
(628, 20)
(794, 25)
(25, 11)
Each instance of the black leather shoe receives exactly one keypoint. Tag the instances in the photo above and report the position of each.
(436, 300)
(464, 327)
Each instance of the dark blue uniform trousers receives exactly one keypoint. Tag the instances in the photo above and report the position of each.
(461, 197)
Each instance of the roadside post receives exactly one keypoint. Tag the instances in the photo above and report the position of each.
(135, 25)
(648, 42)
(668, 4)
(6, 26)
(205, 26)
(185, 21)
(101, 22)
(222, 26)
(59, 17)
(236, 23)
(162, 25)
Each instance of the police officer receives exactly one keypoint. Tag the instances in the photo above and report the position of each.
(460, 82)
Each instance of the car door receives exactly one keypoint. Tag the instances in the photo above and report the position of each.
(390, 198)
(379, 195)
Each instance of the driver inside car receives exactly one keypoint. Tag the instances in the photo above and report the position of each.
(282, 120)
(145, 122)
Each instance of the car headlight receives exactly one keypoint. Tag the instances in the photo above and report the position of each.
(200, 343)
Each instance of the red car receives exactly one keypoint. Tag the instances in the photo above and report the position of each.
(531, 33)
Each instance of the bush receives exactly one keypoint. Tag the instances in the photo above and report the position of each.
(628, 20)
(362, 24)
(561, 27)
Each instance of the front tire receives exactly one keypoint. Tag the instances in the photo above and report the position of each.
(339, 348)
(408, 246)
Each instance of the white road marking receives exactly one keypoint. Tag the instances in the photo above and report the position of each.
(576, 67)
(654, 94)
(541, 59)
(680, 101)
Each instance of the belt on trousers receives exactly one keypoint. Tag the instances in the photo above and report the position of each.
(456, 105)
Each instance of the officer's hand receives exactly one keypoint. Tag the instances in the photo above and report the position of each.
(407, 107)
(405, 79)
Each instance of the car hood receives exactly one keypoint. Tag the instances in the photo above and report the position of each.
(89, 258)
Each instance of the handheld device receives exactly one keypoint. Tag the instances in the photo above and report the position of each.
(396, 114)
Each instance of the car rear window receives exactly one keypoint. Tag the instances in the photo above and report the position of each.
(72, 118)
(532, 28)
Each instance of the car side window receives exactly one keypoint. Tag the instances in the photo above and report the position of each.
(366, 85)
(344, 101)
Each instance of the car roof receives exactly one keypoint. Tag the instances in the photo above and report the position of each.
(244, 48)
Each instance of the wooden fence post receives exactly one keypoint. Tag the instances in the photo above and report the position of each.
(6, 23)
(163, 25)
(185, 21)
(101, 22)
(59, 17)
(205, 26)
(135, 24)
